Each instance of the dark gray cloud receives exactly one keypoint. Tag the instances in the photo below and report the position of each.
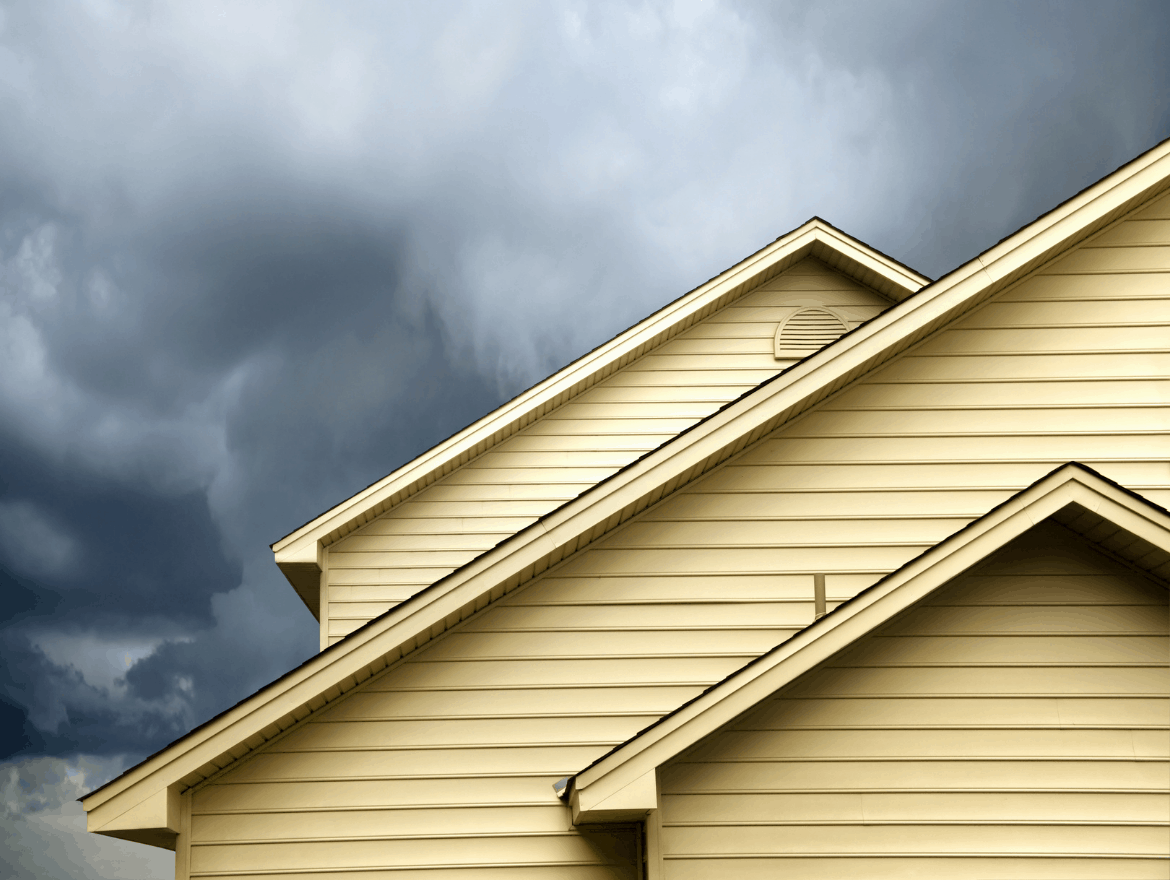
(255, 255)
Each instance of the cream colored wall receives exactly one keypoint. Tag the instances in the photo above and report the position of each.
(1015, 724)
(572, 448)
(449, 757)
(1072, 364)
(443, 766)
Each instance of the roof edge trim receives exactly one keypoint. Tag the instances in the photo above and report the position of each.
(815, 237)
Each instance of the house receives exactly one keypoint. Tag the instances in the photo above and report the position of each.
(822, 569)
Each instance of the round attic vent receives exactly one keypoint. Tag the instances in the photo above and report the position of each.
(807, 331)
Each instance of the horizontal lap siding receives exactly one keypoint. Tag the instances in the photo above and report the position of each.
(1072, 364)
(917, 751)
(448, 758)
(572, 448)
(445, 763)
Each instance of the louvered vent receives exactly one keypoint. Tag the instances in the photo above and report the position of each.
(806, 332)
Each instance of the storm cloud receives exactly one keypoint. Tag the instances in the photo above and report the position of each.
(254, 256)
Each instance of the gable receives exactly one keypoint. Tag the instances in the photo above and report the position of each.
(1017, 720)
(575, 445)
(299, 554)
(621, 784)
(559, 535)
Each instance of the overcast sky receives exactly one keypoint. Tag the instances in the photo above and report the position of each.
(254, 256)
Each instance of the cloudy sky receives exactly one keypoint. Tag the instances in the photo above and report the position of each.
(254, 256)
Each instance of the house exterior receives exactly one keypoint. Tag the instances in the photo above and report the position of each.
(822, 569)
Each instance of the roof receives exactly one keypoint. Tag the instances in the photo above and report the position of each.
(403, 629)
(619, 785)
(298, 553)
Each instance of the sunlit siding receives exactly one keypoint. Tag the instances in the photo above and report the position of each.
(448, 758)
(1073, 364)
(443, 765)
(1015, 724)
(574, 447)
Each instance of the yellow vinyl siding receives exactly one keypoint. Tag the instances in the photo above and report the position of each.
(480, 722)
(572, 448)
(1062, 367)
(448, 758)
(1017, 723)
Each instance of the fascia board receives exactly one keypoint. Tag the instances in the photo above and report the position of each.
(1050, 231)
(824, 638)
(153, 820)
(869, 257)
(1146, 523)
(628, 804)
(298, 547)
(910, 281)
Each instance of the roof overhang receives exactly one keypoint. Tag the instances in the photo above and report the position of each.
(298, 554)
(621, 785)
(403, 629)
